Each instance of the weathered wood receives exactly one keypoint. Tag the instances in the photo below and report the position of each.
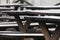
(49, 19)
(19, 22)
(17, 13)
(41, 7)
(16, 33)
(27, 24)
(49, 25)
(5, 5)
(6, 9)
(44, 12)
(56, 33)
(45, 30)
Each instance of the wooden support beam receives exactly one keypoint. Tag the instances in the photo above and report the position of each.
(44, 31)
(19, 22)
(27, 24)
(56, 33)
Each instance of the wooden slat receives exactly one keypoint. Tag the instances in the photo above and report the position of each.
(50, 19)
(44, 12)
(49, 25)
(16, 33)
(34, 12)
(41, 7)
(14, 12)
(4, 5)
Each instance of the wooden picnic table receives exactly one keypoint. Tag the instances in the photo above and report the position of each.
(42, 20)
(17, 13)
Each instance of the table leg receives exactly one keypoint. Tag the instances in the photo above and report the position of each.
(19, 22)
(56, 33)
(27, 24)
(45, 31)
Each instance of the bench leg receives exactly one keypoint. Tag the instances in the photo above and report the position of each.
(44, 31)
(27, 24)
(56, 33)
(19, 22)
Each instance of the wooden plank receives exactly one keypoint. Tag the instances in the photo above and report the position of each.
(16, 33)
(6, 9)
(16, 13)
(49, 25)
(49, 19)
(13, 12)
(44, 12)
(41, 7)
(34, 12)
(4, 5)
(22, 34)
